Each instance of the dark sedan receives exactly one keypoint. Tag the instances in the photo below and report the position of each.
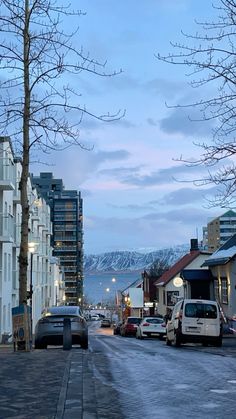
(49, 329)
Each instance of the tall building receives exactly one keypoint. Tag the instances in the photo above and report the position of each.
(219, 230)
(67, 231)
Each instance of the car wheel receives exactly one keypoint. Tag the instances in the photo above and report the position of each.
(84, 343)
(40, 345)
(176, 341)
(218, 343)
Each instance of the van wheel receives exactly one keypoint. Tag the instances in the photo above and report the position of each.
(219, 342)
(176, 341)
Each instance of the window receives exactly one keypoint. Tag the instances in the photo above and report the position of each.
(171, 297)
(201, 311)
(216, 290)
(224, 291)
(164, 297)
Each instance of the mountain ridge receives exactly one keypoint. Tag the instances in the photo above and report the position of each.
(127, 261)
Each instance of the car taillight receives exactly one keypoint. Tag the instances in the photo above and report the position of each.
(146, 324)
(163, 325)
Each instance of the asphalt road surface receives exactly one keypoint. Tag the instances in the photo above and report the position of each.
(146, 379)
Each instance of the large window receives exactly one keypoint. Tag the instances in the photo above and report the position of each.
(224, 291)
(171, 297)
(201, 310)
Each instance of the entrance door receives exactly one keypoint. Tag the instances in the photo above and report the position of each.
(200, 290)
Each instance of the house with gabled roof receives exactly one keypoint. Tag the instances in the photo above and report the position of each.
(187, 278)
(222, 265)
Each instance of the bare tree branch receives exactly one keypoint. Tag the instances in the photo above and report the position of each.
(212, 61)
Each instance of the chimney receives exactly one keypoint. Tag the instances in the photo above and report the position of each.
(194, 245)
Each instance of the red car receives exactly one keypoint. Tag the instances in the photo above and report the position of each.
(129, 327)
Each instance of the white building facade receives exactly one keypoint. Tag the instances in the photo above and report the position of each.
(40, 275)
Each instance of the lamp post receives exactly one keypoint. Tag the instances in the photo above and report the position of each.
(31, 248)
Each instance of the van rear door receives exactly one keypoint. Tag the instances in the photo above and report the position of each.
(201, 318)
(193, 323)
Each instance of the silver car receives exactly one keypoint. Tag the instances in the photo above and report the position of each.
(49, 329)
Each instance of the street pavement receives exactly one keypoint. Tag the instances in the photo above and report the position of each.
(58, 384)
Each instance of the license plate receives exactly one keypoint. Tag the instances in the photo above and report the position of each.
(58, 324)
(193, 329)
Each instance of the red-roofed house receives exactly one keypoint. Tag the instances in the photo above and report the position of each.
(185, 279)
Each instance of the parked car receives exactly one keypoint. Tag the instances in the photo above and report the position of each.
(151, 327)
(49, 329)
(195, 321)
(116, 328)
(95, 317)
(129, 327)
(106, 323)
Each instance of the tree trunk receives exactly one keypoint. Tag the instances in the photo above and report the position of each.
(23, 257)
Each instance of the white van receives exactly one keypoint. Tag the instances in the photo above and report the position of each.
(195, 321)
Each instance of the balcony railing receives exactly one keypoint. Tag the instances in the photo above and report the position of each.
(71, 289)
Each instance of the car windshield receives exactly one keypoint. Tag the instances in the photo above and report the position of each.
(201, 310)
(62, 311)
(134, 320)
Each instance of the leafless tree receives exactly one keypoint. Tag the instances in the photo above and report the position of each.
(210, 55)
(38, 106)
(158, 268)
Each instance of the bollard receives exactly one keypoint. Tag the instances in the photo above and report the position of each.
(67, 337)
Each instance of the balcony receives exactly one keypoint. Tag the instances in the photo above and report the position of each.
(69, 268)
(65, 248)
(6, 175)
(71, 290)
(6, 228)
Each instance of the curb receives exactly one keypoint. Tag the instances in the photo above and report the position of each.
(62, 396)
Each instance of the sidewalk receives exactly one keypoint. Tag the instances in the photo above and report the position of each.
(31, 383)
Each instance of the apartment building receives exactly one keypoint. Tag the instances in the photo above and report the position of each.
(219, 230)
(67, 232)
(42, 275)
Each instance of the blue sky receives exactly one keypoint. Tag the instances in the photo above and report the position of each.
(129, 180)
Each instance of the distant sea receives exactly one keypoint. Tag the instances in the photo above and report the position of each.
(96, 285)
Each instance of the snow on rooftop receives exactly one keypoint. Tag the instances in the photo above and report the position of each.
(224, 253)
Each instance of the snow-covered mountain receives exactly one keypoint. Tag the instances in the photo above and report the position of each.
(121, 261)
